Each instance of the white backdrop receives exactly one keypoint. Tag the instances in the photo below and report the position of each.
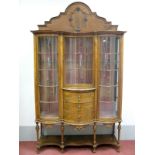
(18, 17)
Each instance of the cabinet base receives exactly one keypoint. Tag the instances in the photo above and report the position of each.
(78, 140)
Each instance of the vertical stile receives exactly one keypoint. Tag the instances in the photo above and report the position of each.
(96, 74)
(60, 72)
(120, 79)
(37, 109)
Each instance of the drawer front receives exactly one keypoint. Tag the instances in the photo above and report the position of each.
(70, 112)
(86, 112)
(78, 112)
(75, 97)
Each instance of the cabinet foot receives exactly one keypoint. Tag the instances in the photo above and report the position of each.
(62, 148)
(118, 149)
(94, 148)
(37, 149)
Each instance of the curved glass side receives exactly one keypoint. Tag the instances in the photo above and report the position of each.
(48, 75)
(108, 71)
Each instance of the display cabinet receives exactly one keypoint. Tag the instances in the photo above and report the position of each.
(78, 63)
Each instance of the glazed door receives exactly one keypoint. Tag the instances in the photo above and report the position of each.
(48, 76)
(78, 62)
(108, 75)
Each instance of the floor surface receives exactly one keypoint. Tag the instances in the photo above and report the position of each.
(29, 148)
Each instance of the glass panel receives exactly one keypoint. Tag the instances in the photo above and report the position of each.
(78, 60)
(109, 61)
(108, 77)
(48, 93)
(108, 99)
(108, 85)
(48, 75)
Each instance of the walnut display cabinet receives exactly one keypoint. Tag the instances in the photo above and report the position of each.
(78, 59)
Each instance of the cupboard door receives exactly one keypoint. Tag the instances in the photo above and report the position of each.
(78, 61)
(108, 75)
(48, 75)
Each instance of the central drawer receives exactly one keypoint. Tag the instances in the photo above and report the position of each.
(78, 97)
(78, 107)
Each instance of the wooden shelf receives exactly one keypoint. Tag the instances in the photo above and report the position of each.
(49, 140)
(77, 140)
(106, 139)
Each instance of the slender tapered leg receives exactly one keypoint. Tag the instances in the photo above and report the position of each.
(94, 135)
(37, 132)
(62, 137)
(118, 140)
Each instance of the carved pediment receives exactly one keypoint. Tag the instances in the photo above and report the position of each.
(78, 18)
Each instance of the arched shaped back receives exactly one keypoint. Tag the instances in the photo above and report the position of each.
(78, 17)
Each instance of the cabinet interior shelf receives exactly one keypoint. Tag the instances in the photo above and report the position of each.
(42, 69)
(103, 101)
(108, 85)
(48, 86)
(108, 70)
(77, 53)
(48, 101)
(80, 68)
(48, 53)
(104, 53)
